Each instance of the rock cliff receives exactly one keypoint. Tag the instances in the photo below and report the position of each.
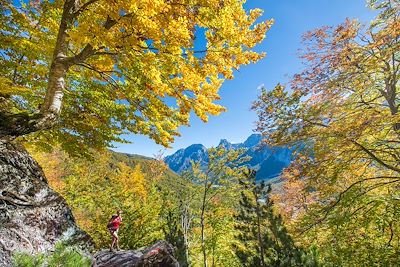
(33, 217)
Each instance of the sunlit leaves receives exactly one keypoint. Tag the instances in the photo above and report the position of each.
(142, 56)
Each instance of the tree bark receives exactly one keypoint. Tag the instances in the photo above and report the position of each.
(202, 225)
(259, 234)
(59, 66)
(13, 125)
(185, 224)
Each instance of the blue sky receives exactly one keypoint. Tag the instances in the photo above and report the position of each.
(292, 19)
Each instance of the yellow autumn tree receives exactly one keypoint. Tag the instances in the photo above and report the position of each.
(342, 113)
(89, 71)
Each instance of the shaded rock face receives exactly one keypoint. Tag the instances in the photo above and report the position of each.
(161, 254)
(181, 160)
(33, 217)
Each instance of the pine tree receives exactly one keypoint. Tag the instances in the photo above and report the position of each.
(263, 238)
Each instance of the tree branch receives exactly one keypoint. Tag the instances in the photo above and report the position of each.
(372, 155)
(338, 200)
(84, 6)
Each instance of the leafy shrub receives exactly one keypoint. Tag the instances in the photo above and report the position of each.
(62, 256)
(21, 259)
(67, 257)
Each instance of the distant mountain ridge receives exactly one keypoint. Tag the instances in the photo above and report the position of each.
(268, 161)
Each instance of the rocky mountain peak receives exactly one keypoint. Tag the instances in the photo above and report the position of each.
(253, 140)
(268, 162)
(225, 143)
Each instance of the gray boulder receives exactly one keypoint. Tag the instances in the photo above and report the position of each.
(161, 254)
(33, 217)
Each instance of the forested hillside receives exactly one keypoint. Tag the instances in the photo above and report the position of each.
(95, 188)
(195, 211)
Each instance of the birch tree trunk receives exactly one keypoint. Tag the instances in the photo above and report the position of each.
(202, 225)
(13, 125)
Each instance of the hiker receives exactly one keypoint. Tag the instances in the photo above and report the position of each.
(113, 225)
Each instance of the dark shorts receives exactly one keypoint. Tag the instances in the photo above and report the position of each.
(113, 231)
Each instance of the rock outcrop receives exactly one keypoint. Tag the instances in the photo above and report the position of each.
(33, 217)
(161, 254)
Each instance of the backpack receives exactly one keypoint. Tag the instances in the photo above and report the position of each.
(111, 221)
